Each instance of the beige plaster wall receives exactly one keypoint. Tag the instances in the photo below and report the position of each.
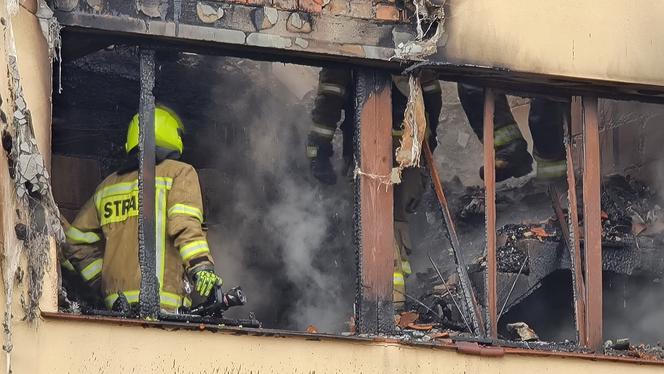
(612, 40)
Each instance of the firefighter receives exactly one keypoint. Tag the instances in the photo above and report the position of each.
(545, 119)
(335, 99)
(103, 239)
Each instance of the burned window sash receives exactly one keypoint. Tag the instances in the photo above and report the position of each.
(149, 289)
(592, 228)
(573, 240)
(490, 215)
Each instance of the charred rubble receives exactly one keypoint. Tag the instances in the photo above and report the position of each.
(534, 278)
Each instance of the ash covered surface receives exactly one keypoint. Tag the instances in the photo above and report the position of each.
(510, 258)
(533, 250)
(644, 351)
(631, 209)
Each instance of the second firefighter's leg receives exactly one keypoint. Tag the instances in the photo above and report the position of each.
(546, 120)
(407, 196)
(402, 248)
(512, 157)
(399, 279)
(333, 87)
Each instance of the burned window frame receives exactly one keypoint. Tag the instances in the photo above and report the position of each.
(586, 276)
(373, 210)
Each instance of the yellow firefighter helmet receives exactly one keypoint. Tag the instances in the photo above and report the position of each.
(167, 130)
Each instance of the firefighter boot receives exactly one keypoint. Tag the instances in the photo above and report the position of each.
(401, 264)
(512, 160)
(398, 281)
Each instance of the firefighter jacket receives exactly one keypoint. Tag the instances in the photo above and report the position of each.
(103, 239)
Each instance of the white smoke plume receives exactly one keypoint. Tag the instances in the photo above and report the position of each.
(275, 231)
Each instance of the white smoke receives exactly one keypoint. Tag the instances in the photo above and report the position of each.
(281, 236)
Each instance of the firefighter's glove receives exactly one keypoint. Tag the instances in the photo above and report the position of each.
(205, 282)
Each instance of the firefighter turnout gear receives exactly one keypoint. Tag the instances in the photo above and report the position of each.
(512, 161)
(333, 102)
(550, 170)
(398, 281)
(167, 130)
(402, 248)
(103, 242)
(546, 119)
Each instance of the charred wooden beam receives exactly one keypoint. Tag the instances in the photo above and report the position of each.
(472, 313)
(592, 237)
(147, 256)
(269, 31)
(490, 214)
(371, 33)
(374, 194)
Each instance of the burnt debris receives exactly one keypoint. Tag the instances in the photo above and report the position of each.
(534, 267)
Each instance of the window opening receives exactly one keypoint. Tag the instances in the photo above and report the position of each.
(286, 230)
(281, 235)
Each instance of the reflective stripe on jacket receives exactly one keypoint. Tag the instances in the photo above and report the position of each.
(112, 214)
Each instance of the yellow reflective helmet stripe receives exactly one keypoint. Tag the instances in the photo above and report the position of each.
(166, 299)
(506, 135)
(398, 279)
(187, 210)
(77, 236)
(194, 248)
(92, 270)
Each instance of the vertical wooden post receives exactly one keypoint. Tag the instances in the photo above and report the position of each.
(373, 119)
(573, 221)
(490, 213)
(592, 237)
(149, 292)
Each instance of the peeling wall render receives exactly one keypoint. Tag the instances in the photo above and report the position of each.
(29, 215)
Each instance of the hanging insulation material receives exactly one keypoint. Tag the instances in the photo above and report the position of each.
(429, 18)
(413, 127)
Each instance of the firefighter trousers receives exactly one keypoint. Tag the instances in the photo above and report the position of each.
(546, 119)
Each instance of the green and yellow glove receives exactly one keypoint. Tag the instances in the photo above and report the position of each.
(205, 282)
